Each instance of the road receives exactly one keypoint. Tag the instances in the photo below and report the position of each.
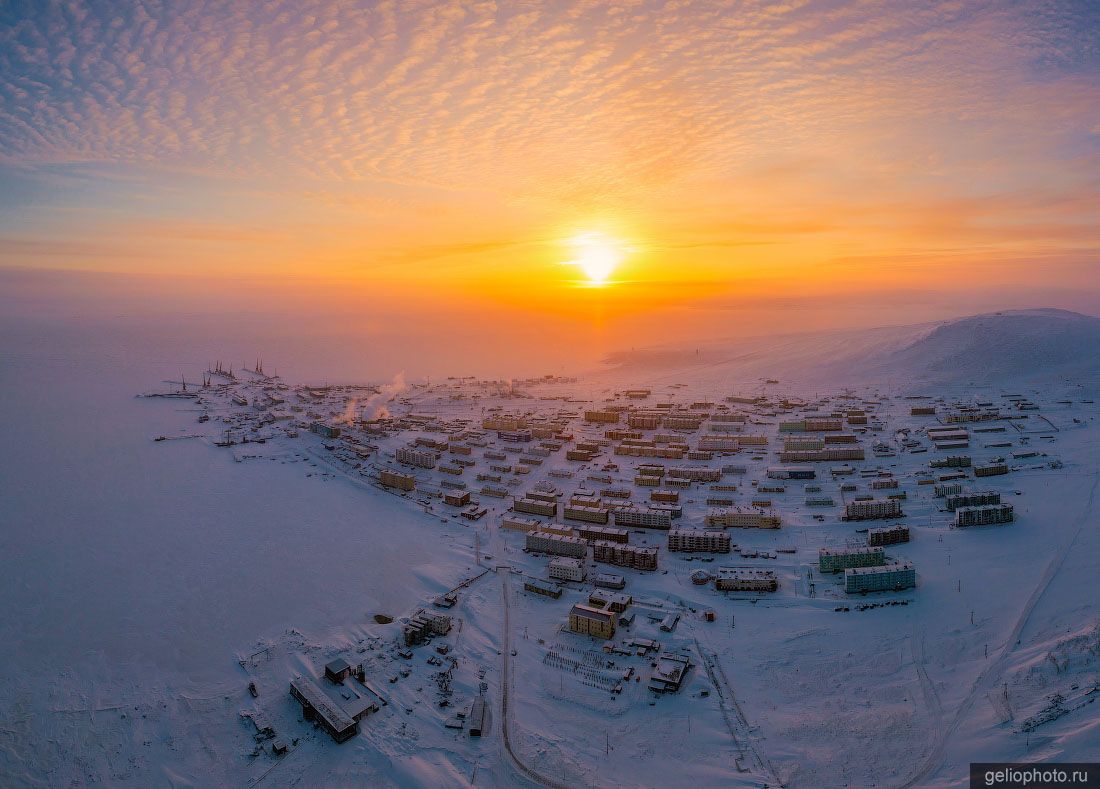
(505, 686)
(992, 673)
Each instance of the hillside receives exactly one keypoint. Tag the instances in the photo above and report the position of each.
(1033, 345)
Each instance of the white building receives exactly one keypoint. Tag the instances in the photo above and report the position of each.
(566, 568)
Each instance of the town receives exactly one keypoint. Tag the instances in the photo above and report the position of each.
(629, 536)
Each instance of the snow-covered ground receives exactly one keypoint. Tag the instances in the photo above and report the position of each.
(148, 582)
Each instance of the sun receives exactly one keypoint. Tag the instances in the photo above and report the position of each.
(596, 255)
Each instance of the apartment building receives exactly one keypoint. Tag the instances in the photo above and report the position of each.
(698, 541)
(833, 560)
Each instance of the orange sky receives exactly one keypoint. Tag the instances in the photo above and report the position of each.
(444, 152)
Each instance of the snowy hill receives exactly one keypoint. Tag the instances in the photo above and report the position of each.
(1011, 346)
(1040, 344)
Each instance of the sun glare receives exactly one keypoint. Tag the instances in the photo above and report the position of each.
(596, 255)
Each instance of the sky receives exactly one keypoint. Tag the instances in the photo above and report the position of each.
(898, 160)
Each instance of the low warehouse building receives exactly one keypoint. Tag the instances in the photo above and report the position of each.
(318, 706)
(745, 579)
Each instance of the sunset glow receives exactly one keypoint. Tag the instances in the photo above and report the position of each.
(596, 256)
(428, 150)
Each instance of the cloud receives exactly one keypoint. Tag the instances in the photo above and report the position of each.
(768, 119)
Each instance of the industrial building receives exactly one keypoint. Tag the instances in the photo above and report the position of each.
(872, 509)
(888, 535)
(738, 519)
(833, 560)
(566, 568)
(318, 706)
(479, 712)
(886, 578)
(636, 557)
(558, 545)
(791, 472)
(698, 540)
(590, 621)
(668, 675)
(745, 579)
(983, 515)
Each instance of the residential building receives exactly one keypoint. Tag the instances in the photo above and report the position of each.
(421, 458)
(591, 621)
(558, 545)
(872, 509)
(738, 519)
(645, 519)
(609, 533)
(516, 523)
(566, 568)
(395, 479)
(833, 560)
(972, 499)
(575, 511)
(983, 515)
(323, 430)
(535, 507)
(605, 417)
(637, 557)
(698, 541)
(885, 578)
(990, 470)
(888, 535)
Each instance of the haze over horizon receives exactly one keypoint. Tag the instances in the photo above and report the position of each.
(612, 173)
